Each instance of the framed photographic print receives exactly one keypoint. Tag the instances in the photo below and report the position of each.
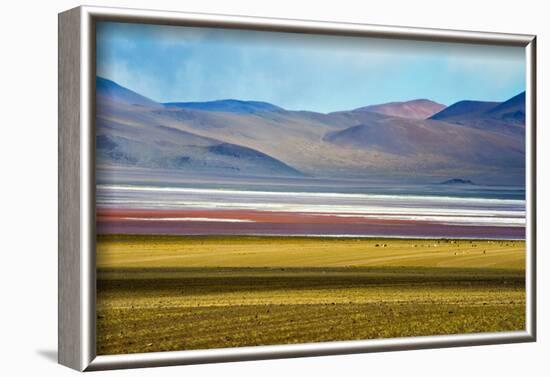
(236, 188)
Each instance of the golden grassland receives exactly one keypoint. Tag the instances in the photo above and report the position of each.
(164, 293)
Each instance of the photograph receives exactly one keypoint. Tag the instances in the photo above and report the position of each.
(261, 188)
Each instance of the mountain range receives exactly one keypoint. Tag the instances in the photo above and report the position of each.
(418, 140)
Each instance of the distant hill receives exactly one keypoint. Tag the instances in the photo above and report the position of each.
(430, 141)
(511, 110)
(415, 109)
(227, 105)
(249, 138)
(109, 91)
(161, 147)
(132, 132)
(457, 181)
(508, 116)
(463, 109)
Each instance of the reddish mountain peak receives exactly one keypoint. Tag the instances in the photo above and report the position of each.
(415, 109)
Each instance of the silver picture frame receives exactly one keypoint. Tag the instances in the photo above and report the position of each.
(76, 263)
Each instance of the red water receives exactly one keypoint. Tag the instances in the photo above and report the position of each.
(142, 221)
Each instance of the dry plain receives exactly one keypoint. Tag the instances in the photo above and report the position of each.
(165, 293)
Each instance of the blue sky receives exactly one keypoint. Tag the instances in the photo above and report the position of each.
(299, 71)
